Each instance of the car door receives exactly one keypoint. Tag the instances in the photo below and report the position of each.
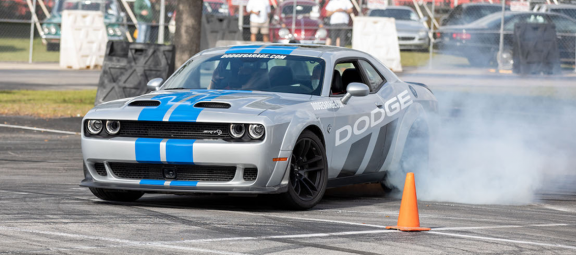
(356, 124)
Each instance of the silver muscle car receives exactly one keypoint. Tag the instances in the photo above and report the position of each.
(280, 119)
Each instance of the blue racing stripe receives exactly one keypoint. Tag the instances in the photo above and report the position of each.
(286, 50)
(186, 112)
(180, 151)
(184, 183)
(152, 182)
(166, 102)
(148, 150)
(243, 49)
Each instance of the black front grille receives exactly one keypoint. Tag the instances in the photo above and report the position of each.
(406, 38)
(212, 105)
(145, 103)
(250, 174)
(100, 169)
(185, 130)
(183, 172)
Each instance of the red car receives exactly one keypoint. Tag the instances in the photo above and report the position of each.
(307, 27)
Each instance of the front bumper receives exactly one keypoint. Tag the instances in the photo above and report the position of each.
(271, 175)
(412, 42)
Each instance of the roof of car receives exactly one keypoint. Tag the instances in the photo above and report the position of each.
(394, 7)
(276, 48)
(479, 4)
(561, 6)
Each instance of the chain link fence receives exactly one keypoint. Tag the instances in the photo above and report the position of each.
(429, 32)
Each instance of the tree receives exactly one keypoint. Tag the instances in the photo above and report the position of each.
(188, 29)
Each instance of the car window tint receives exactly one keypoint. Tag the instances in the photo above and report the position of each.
(533, 18)
(563, 24)
(374, 77)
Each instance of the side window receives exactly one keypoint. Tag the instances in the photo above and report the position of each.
(344, 73)
(375, 79)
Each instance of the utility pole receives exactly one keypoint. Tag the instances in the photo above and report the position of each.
(188, 29)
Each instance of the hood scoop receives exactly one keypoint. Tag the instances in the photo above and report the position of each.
(144, 103)
(212, 105)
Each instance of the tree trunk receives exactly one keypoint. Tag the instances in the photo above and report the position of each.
(188, 29)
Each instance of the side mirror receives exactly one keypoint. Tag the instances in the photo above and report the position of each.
(355, 89)
(154, 84)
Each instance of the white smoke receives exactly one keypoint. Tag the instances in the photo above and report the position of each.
(498, 148)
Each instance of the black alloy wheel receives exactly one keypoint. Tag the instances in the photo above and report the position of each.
(308, 172)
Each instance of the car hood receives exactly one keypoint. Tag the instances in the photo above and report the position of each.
(301, 21)
(184, 104)
(402, 25)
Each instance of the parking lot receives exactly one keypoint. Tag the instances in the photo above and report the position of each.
(43, 210)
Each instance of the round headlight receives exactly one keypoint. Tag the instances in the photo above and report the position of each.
(283, 32)
(255, 131)
(112, 127)
(237, 130)
(53, 29)
(94, 126)
(110, 31)
(422, 33)
(46, 30)
(118, 31)
(321, 33)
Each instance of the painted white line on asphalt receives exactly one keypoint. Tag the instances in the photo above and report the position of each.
(128, 242)
(310, 219)
(503, 240)
(346, 233)
(505, 226)
(40, 129)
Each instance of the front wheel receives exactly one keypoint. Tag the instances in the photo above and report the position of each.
(117, 195)
(308, 172)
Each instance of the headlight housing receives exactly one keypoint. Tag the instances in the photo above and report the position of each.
(321, 33)
(94, 127)
(118, 31)
(112, 127)
(46, 30)
(422, 33)
(283, 33)
(110, 31)
(237, 130)
(256, 131)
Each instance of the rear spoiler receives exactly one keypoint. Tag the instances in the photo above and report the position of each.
(421, 85)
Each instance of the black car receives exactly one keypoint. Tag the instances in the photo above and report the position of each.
(468, 13)
(479, 41)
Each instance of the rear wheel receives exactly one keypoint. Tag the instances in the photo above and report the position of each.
(117, 195)
(308, 172)
(415, 156)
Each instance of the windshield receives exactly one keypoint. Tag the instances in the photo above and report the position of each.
(107, 6)
(568, 12)
(300, 9)
(399, 14)
(473, 13)
(255, 72)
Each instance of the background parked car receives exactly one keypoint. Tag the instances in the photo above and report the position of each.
(566, 9)
(112, 18)
(468, 13)
(479, 41)
(412, 34)
(307, 27)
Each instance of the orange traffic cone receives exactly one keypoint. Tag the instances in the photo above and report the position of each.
(408, 219)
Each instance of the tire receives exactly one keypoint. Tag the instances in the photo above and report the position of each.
(52, 47)
(308, 172)
(117, 195)
(415, 156)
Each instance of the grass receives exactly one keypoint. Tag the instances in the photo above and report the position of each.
(46, 104)
(417, 59)
(17, 50)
